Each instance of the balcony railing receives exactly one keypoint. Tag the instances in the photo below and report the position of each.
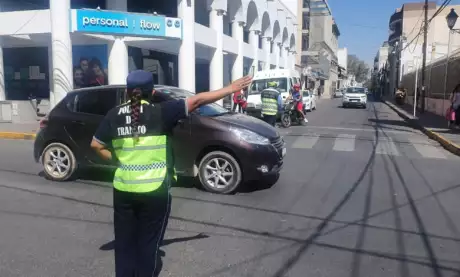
(397, 16)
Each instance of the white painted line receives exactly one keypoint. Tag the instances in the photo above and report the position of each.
(427, 150)
(345, 142)
(386, 147)
(305, 142)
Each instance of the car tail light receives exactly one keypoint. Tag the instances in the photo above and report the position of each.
(44, 122)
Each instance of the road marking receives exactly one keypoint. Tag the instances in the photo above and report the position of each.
(363, 129)
(386, 147)
(305, 142)
(427, 150)
(344, 142)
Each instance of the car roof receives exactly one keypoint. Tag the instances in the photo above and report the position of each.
(173, 89)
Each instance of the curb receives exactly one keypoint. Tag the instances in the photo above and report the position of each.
(447, 144)
(14, 135)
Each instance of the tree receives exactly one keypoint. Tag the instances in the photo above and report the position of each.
(358, 68)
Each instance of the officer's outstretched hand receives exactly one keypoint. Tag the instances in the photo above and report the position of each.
(240, 84)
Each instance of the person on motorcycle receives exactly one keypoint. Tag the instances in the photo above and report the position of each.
(297, 97)
(271, 103)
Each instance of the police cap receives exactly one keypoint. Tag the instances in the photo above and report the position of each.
(140, 79)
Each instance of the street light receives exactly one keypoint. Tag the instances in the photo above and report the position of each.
(451, 19)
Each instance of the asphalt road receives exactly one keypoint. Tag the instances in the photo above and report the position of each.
(361, 194)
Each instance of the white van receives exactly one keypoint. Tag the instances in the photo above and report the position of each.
(284, 77)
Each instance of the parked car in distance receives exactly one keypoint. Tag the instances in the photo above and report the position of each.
(221, 148)
(354, 96)
(309, 101)
(338, 93)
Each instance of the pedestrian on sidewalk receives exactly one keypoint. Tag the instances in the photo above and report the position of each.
(238, 99)
(145, 168)
(455, 100)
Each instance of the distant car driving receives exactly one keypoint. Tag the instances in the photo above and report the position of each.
(354, 96)
(309, 101)
(338, 93)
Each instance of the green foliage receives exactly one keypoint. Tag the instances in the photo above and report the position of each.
(358, 68)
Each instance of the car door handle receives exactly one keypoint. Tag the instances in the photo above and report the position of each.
(79, 122)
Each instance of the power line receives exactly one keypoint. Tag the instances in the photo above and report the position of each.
(438, 11)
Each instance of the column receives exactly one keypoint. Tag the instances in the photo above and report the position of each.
(116, 5)
(293, 59)
(50, 75)
(277, 51)
(61, 49)
(238, 34)
(254, 41)
(286, 58)
(266, 46)
(216, 70)
(186, 59)
(2, 74)
(118, 61)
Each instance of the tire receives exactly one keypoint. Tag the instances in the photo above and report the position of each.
(220, 158)
(286, 120)
(364, 106)
(344, 106)
(65, 160)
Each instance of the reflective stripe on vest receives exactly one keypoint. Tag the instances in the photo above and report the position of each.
(269, 98)
(142, 163)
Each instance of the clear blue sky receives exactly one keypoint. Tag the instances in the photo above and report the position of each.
(363, 24)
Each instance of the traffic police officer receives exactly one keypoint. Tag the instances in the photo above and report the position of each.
(271, 103)
(136, 134)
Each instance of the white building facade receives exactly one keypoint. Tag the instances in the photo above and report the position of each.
(197, 45)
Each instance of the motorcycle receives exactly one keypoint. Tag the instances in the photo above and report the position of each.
(290, 115)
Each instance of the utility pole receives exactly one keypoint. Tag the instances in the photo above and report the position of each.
(425, 35)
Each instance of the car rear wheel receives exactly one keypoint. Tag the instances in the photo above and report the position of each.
(59, 163)
(219, 172)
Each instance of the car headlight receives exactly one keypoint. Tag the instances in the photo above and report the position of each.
(249, 136)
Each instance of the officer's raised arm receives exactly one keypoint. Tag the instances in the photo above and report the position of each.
(204, 98)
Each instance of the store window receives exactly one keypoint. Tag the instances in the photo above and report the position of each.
(15, 5)
(90, 64)
(166, 8)
(87, 4)
(26, 73)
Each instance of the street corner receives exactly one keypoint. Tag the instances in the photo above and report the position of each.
(446, 143)
(16, 135)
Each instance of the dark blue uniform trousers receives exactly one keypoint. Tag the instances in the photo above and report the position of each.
(140, 221)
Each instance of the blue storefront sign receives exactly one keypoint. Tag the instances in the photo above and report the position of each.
(126, 24)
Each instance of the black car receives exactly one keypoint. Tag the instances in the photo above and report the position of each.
(223, 149)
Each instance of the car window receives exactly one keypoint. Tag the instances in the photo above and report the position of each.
(355, 90)
(212, 110)
(97, 102)
(258, 85)
(305, 94)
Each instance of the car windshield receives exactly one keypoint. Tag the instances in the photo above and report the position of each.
(212, 110)
(258, 85)
(305, 93)
(356, 90)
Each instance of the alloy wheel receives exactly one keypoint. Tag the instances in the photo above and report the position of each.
(57, 162)
(219, 173)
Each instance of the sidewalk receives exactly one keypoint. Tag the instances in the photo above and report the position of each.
(23, 130)
(434, 126)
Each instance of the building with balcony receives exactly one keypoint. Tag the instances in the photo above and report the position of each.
(50, 47)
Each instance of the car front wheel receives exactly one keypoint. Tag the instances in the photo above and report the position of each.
(219, 172)
(59, 163)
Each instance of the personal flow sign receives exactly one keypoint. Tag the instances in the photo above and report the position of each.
(127, 24)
